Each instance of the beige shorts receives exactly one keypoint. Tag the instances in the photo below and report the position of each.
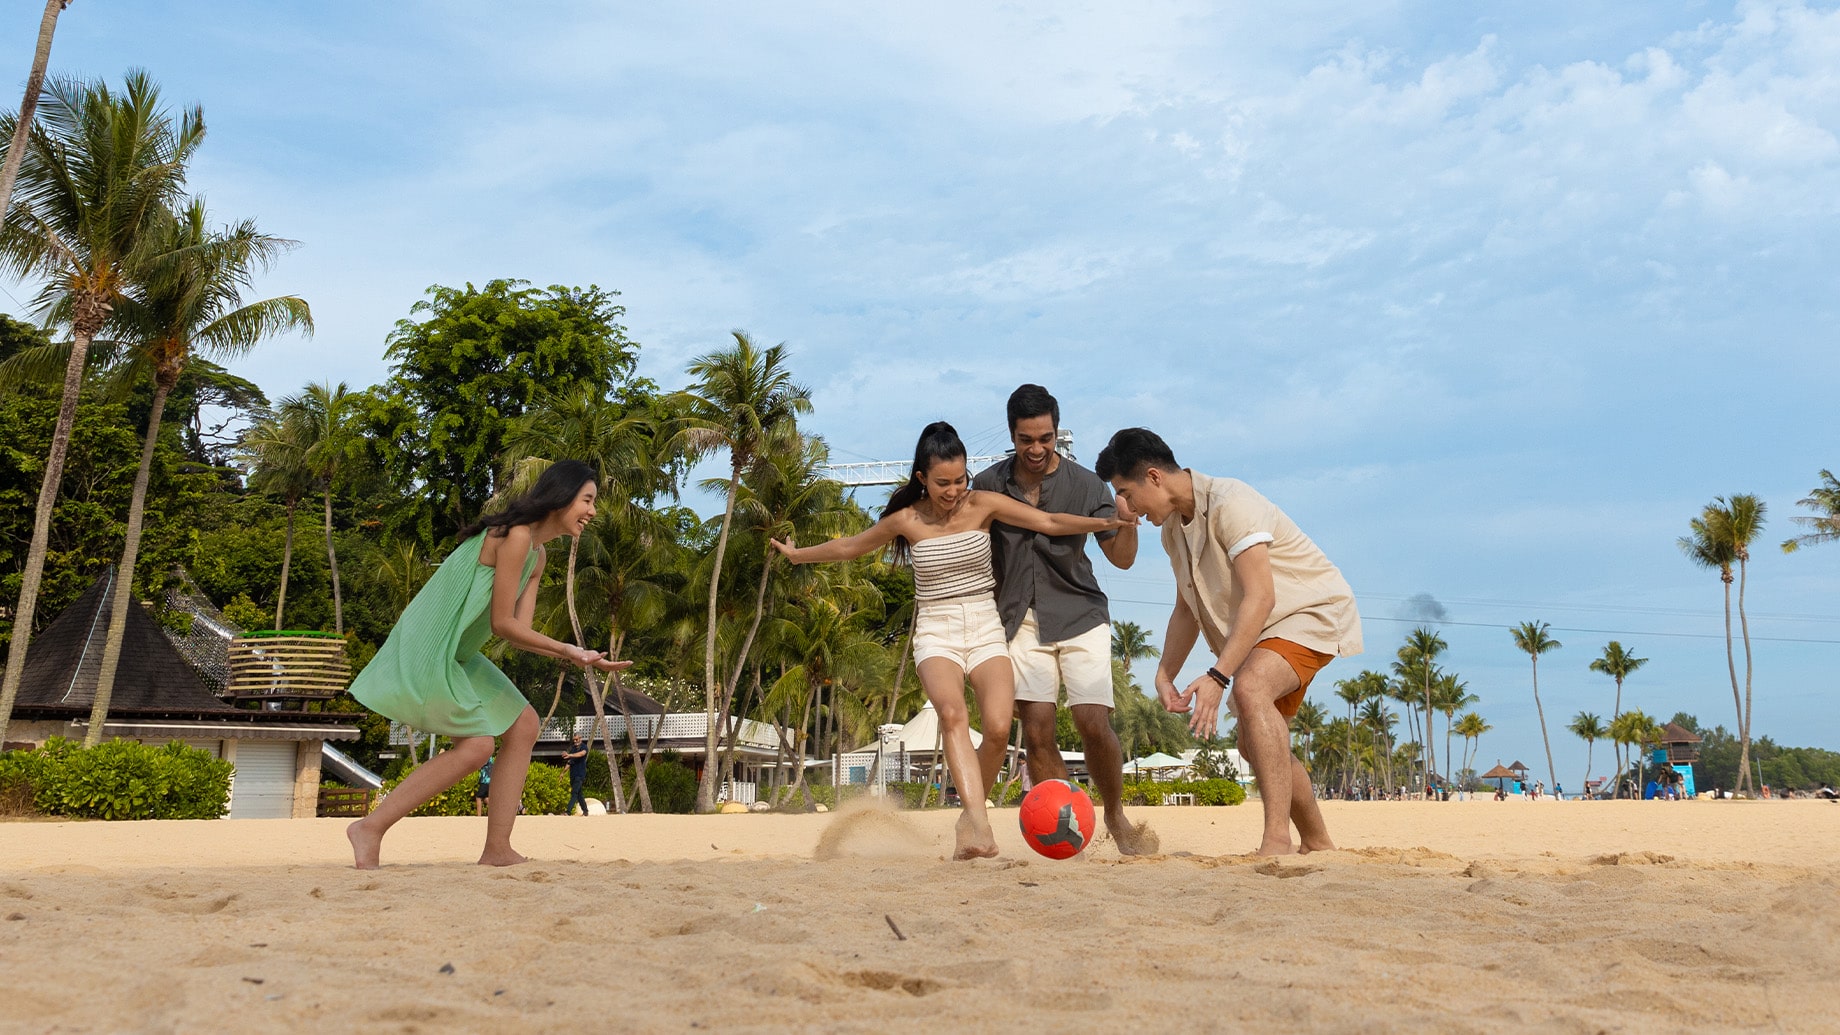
(1082, 664)
(966, 631)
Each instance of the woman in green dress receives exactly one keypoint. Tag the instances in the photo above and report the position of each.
(430, 674)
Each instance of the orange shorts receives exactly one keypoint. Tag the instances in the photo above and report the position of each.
(1303, 661)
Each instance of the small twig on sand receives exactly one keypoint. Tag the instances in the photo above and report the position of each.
(892, 927)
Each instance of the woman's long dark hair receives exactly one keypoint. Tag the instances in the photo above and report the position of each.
(555, 489)
(938, 441)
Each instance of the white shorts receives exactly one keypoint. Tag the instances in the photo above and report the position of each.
(966, 631)
(1083, 664)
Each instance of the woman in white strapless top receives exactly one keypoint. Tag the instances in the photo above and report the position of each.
(938, 522)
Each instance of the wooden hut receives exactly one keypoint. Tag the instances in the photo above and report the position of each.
(159, 698)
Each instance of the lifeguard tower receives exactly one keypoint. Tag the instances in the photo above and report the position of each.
(1678, 749)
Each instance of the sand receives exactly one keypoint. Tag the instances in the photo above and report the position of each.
(1434, 917)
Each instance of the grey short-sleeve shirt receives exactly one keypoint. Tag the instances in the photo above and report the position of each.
(1051, 574)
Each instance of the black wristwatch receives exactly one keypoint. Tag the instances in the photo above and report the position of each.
(1214, 674)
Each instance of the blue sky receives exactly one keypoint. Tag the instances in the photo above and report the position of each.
(1490, 297)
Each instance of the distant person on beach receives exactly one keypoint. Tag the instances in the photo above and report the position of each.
(939, 523)
(1273, 609)
(1055, 616)
(577, 758)
(483, 790)
(430, 674)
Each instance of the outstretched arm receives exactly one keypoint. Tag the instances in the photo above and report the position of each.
(848, 548)
(1000, 507)
(513, 611)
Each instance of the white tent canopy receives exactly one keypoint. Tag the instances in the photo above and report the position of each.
(919, 735)
(1156, 760)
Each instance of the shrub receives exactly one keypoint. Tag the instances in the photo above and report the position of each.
(120, 780)
(672, 785)
(1206, 792)
(546, 791)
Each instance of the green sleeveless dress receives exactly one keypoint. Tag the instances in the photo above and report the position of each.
(429, 673)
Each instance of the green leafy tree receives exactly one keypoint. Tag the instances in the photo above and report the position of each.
(743, 401)
(1824, 524)
(190, 301)
(1533, 640)
(1719, 538)
(1589, 728)
(1619, 664)
(274, 453)
(327, 421)
(469, 362)
(99, 173)
(1635, 729)
(1451, 695)
(1418, 658)
(1471, 727)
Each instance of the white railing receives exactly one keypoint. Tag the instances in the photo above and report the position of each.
(740, 791)
(680, 726)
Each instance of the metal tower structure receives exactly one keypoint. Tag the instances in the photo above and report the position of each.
(895, 472)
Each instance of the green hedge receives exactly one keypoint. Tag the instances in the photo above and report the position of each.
(546, 792)
(1206, 792)
(119, 780)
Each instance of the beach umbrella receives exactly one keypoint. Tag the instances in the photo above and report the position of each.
(1155, 762)
(1501, 772)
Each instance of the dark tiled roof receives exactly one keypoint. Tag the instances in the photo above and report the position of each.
(65, 660)
(637, 703)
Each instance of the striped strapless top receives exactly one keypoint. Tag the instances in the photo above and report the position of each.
(955, 565)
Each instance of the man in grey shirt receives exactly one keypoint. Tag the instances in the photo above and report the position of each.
(1054, 614)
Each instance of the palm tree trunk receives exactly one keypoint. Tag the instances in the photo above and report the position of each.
(1552, 773)
(124, 582)
(1430, 751)
(640, 789)
(27, 609)
(1616, 748)
(1744, 624)
(332, 559)
(287, 560)
(706, 787)
(1731, 665)
(28, 106)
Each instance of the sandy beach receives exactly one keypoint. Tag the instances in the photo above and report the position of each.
(1475, 916)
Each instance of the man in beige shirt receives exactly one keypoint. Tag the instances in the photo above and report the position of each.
(1273, 609)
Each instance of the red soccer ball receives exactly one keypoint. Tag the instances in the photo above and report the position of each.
(1057, 819)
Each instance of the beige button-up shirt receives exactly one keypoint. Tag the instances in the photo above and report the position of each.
(1314, 605)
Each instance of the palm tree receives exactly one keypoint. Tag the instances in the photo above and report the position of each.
(1471, 727)
(1591, 729)
(275, 457)
(1452, 696)
(1308, 721)
(327, 416)
(1532, 638)
(1353, 692)
(1635, 728)
(1619, 665)
(98, 174)
(745, 401)
(1131, 642)
(35, 82)
(1720, 538)
(1423, 647)
(1824, 524)
(192, 301)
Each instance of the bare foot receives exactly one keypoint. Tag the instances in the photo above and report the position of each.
(365, 846)
(975, 840)
(1136, 839)
(1308, 846)
(500, 857)
(1277, 848)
